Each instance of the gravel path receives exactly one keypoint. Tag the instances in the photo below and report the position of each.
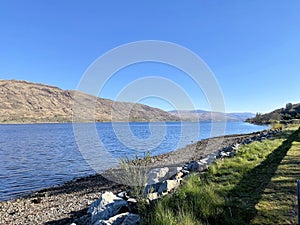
(62, 204)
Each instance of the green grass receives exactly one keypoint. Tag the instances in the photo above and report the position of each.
(257, 186)
(278, 201)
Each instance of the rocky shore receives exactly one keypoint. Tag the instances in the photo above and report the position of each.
(70, 202)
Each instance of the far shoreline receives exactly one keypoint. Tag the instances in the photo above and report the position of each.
(168, 121)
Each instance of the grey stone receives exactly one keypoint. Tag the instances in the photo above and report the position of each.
(132, 202)
(231, 154)
(248, 141)
(190, 166)
(211, 158)
(152, 188)
(173, 171)
(108, 205)
(198, 166)
(132, 219)
(227, 149)
(168, 185)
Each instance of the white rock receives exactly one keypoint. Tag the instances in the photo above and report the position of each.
(204, 160)
(115, 220)
(224, 154)
(153, 196)
(236, 146)
(132, 200)
(160, 174)
(156, 175)
(185, 172)
(122, 194)
(108, 205)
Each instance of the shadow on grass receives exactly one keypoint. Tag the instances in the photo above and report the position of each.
(241, 200)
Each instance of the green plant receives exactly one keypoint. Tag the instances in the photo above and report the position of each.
(132, 173)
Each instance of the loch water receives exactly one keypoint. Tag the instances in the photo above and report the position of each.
(36, 156)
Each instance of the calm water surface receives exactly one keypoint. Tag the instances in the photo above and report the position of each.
(35, 156)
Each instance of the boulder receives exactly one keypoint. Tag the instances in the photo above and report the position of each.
(197, 166)
(160, 174)
(132, 203)
(115, 220)
(248, 141)
(123, 195)
(204, 161)
(211, 158)
(153, 196)
(152, 187)
(108, 205)
(132, 219)
(185, 172)
(168, 185)
(236, 146)
(231, 154)
(227, 149)
(132, 200)
(224, 154)
(156, 175)
(190, 166)
(173, 171)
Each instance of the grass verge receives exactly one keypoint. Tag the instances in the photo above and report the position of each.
(257, 186)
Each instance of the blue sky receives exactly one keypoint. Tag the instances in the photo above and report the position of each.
(252, 47)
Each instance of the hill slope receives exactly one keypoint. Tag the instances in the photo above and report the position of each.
(25, 102)
(202, 115)
(290, 112)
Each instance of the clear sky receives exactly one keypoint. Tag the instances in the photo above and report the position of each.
(252, 47)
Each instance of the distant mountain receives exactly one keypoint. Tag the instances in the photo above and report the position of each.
(285, 115)
(241, 116)
(25, 102)
(202, 115)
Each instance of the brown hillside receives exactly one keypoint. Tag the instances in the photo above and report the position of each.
(25, 102)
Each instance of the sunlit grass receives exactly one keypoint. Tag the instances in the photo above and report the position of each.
(279, 201)
(236, 190)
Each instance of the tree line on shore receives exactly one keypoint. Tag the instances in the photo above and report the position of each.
(289, 114)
